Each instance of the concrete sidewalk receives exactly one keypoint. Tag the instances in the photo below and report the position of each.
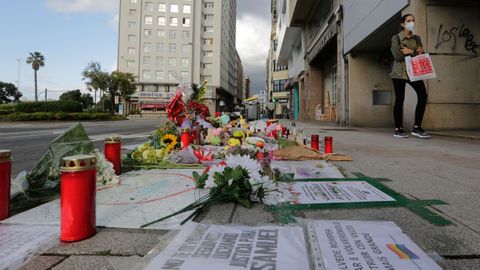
(444, 167)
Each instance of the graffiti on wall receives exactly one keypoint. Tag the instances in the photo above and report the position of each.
(457, 36)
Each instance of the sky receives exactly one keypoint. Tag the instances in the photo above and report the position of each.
(71, 33)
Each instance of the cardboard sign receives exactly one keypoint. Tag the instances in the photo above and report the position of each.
(336, 192)
(207, 247)
(365, 245)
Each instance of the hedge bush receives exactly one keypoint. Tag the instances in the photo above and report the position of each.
(7, 109)
(60, 116)
(68, 106)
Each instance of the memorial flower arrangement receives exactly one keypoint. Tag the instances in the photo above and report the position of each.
(240, 178)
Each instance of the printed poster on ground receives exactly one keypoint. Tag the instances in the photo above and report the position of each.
(207, 247)
(336, 192)
(366, 245)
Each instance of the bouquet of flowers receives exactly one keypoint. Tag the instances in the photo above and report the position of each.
(179, 109)
(239, 178)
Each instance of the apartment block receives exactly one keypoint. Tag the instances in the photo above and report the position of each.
(278, 97)
(165, 43)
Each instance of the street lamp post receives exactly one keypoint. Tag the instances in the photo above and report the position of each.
(18, 79)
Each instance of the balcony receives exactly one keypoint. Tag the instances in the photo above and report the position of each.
(300, 11)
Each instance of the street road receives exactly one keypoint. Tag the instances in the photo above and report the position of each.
(29, 141)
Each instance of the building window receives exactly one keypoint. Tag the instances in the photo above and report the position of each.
(185, 76)
(147, 33)
(131, 38)
(172, 75)
(132, 12)
(148, 6)
(174, 8)
(172, 61)
(133, 1)
(208, 41)
(207, 66)
(172, 47)
(132, 25)
(186, 36)
(208, 53)
(186, 48)
(146, 75)
(208, 4)
(159, 61)
(185, 62)
(208, 17)
(159, 75)
(279, 85)
(146, 60)
(160, 47)
(186, 22)
(187, 9)
(130, 63)
(148, 20)
(161, 21)
(131, 50)
(162, 7)
(147, 47)
(208, 29)
(161, 34)
(172, 35)
(173, 21)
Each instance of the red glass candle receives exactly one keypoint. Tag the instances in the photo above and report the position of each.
(113, 153)
(77, 198)
(5, 171)
(218, 114)
(315, 142)
(185, 138)
(328, 145)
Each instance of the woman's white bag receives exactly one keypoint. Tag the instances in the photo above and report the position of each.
(420, 67)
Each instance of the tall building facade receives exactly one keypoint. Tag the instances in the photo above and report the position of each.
(165, 43)
(277, 74)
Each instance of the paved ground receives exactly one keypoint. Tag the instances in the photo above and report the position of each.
(444, 168)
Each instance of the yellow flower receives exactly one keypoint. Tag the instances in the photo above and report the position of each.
(170, 141)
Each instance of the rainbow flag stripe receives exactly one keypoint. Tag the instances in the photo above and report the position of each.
(402, 251)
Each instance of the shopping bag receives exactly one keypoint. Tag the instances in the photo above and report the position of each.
(420, 67)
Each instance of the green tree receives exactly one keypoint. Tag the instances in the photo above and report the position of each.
(9, 93)
(86, 100)
(122, 85)
(37, 60)
(95, 78)
(74, 95)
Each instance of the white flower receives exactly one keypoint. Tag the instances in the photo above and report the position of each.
(105, 173)
(252, 166)
(210, 183)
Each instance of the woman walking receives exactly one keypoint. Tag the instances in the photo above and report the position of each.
(405, 44)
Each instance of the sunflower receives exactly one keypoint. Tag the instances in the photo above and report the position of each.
(170, 141)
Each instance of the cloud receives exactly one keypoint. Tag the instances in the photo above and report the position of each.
(82, 5)
(253, 42)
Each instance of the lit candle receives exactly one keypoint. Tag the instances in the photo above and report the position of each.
(328, 145)
(113, 153)
(77, 198)
(5, 172)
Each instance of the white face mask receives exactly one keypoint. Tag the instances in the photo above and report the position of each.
(410, 26)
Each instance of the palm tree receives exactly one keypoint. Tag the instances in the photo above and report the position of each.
(37, 60)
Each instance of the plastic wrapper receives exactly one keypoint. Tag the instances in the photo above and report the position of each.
(42, 183)
(185, 156)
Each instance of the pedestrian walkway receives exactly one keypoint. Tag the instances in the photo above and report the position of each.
(440, 168)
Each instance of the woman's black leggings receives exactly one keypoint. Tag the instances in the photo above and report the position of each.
(419, 87)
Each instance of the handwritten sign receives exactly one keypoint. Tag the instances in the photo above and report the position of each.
(355, 245)
(206, 247)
